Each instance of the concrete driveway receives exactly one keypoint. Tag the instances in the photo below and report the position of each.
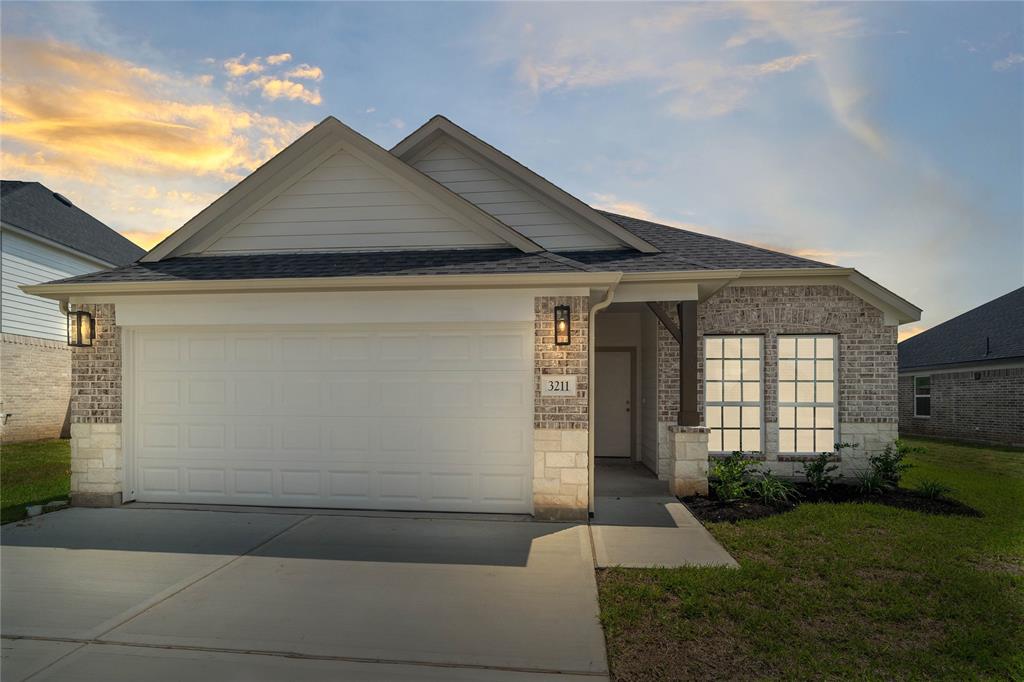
(127, 594)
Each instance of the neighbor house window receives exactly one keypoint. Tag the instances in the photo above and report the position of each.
(807, 394)
(732, 392)
(922, 396)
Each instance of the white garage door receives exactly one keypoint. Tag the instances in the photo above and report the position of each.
(374, 417)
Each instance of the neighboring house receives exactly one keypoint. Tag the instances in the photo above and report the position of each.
(964, 379)
(421, 329)
(43, 236)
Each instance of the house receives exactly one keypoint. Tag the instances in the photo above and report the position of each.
(43, 236)
(420, 329)
(964, 379)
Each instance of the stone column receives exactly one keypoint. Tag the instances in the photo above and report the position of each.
(97, 453)
(561, 457)
(690, 460)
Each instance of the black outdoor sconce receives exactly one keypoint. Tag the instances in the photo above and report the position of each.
(81, 330)
(562, 325)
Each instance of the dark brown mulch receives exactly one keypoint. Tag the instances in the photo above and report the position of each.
(712, 510)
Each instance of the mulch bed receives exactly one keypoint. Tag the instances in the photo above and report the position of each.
(712, 510)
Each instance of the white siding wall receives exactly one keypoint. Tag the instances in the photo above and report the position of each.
(26, 261)
(346, 204)
(510, 201)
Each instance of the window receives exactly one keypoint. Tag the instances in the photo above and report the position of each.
(807, 394)
(922, 396)
(732, 392)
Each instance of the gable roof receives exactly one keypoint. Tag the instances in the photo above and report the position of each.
(993, 331)
(439, 127)
(34, 208)
(312, 148)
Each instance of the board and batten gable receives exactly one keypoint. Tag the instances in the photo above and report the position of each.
(348, 204)
(507, 199)
(30, 261)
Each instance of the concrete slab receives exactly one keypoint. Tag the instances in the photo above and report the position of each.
(21, 658)
(638, 524)
(508, 595)
(76, 573)
(107, 663)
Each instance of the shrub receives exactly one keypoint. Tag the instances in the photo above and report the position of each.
(933, 490)
(730, 477)
(773, 490)
(889, 465)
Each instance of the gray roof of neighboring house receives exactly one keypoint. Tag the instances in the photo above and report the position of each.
(34, 208)
(993, 331)
(681, 251)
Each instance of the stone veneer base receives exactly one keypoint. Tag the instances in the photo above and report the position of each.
(97, 464)
(561, 475)
(689, 461)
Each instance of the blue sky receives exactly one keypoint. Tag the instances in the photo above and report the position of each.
(882, 136)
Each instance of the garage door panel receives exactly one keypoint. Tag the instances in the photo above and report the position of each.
(432, 419)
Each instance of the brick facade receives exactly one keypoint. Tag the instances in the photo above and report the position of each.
(35, 388)
(557, 412)
(867, 396)
(976, 405)
(96, 379)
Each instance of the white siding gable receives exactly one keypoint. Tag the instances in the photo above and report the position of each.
(27, 261)
(509, 200)
(348, 204)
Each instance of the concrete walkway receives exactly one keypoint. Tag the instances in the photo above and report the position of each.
(638, 524)
(153, 594)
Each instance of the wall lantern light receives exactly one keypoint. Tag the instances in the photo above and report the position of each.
(562, 326)
(81, 330)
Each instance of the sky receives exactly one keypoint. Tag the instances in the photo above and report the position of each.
(888, 137)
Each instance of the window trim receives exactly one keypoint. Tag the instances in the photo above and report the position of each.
(916, 396)
(732, 403)
(836, 437)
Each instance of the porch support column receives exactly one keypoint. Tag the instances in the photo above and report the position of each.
(688, 415)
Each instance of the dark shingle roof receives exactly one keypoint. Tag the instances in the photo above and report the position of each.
(32, 207)
(278, 265)
(681, 251)
(993, 331)
(695, 251)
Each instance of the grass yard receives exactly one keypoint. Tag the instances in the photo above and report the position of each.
(33, 473)
(842, 590)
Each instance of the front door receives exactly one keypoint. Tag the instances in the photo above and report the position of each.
(613, 409)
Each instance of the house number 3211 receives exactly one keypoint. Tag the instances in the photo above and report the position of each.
(557, 384)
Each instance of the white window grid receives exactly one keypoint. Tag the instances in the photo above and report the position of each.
(809, 416)
(748, 406)
(918, 395)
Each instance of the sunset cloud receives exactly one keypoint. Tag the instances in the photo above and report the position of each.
(313, 73)
(95, 127)
(282, 88)
(275, 59)
(236, 68)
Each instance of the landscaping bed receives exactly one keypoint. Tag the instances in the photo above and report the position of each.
(712, 510)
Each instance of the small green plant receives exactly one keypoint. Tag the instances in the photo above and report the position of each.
(730, 477)
(870, 482)
(933, 490)
(772, 490)
(889, 465)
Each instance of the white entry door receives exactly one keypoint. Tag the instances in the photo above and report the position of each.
(375, 417)
(613, 411)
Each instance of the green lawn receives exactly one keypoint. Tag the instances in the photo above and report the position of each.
(33, 473)
(842, 591)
